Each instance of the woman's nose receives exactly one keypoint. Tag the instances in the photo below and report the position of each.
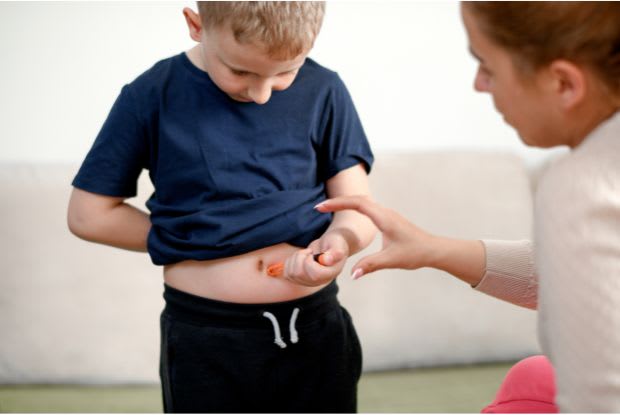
(481, 81)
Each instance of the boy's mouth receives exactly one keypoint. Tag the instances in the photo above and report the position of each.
(240, 98)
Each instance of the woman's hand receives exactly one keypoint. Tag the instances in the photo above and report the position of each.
(404, 245)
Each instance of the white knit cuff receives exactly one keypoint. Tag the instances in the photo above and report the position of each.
(510, 273)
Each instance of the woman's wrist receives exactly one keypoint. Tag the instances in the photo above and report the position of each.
(434, 254)
(465, 259)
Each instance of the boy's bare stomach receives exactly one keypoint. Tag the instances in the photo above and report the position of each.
(238, 279)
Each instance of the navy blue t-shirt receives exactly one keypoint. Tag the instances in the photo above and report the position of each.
(229, 177)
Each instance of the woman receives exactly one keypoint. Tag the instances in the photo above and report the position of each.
(553, 71)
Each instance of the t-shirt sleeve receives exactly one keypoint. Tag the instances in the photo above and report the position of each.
(119, 153)
(344, 142)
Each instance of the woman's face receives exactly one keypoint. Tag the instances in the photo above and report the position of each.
(526, 105)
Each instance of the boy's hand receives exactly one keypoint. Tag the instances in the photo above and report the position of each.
(302, 268)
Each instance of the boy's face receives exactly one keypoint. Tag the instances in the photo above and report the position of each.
(244, 71)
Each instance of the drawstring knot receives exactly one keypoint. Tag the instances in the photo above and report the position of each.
(276, 328)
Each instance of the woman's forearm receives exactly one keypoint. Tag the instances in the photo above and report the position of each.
(465, 259)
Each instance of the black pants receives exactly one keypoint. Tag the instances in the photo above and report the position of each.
(295, 356)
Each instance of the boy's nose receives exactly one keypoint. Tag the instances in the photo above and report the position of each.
(260, 93)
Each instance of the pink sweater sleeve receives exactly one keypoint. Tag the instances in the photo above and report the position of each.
(510, 273)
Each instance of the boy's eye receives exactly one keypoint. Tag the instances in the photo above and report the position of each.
(239, 73)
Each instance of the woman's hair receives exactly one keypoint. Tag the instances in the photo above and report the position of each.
(536, 33)
(285, 29)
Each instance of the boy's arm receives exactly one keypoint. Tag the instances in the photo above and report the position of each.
(348, 233)
(356, 229)
(107, 220)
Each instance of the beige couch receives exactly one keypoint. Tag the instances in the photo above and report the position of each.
(72, 311)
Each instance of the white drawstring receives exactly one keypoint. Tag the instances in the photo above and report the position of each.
(291, 326)
(276, 328)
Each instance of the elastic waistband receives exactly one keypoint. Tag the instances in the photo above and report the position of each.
(184, 306)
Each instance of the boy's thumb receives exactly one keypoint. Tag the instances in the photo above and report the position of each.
(330, 258)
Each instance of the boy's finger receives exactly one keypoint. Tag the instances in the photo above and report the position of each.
(330, 258)
(314, 273)
(321, 258)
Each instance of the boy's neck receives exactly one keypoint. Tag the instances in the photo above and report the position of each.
(195, 57)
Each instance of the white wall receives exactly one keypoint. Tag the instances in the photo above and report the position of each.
(405, 63)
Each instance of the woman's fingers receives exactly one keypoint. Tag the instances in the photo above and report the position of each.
(404, 246)
(371, 263)
(362, 204)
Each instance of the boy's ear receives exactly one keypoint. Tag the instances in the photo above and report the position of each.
(194, 24)
(569, 83)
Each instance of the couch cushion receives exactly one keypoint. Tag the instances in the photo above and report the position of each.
(73, 311)
(70, 311)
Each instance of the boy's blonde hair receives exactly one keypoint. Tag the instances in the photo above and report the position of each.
(285, 29)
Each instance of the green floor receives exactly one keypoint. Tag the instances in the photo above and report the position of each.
(450, 389)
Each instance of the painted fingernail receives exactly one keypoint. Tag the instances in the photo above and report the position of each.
(318, 205)
(357, 274)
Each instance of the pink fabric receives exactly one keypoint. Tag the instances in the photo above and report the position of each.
(529, 387)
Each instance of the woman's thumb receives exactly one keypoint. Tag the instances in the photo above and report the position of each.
(368, 264)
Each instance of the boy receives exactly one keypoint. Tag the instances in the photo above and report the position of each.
(242, 136)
